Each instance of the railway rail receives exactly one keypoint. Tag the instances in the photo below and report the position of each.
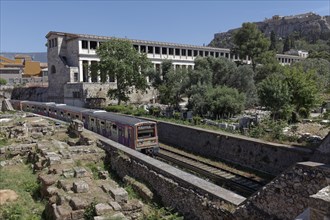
(235, 182)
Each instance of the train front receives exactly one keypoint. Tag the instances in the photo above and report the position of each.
(147, 138)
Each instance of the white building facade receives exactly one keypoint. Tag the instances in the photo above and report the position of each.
(70, 55)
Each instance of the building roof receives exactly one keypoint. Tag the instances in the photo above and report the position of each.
(95, 37)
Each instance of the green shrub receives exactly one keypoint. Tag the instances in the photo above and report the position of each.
(3, 81)
(197, 120)
(303, 112)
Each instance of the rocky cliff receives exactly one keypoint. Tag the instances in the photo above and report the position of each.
(309, 26)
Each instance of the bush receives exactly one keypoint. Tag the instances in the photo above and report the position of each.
(3, 81)
(197, 120)
(303, 112)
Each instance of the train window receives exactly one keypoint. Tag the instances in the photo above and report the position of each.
(146, 131)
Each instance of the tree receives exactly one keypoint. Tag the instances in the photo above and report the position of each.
(270, 65)
(303, 88)
(224, 101)
(172, 89)
(243, 80)
(272, 41)
(321, 68)
(274, 93)
(3, 81)
(171, 83)
(120, 61)
(286, 46)
(249, 41)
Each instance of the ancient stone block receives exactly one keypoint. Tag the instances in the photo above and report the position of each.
(103, 174)
(68, 173)
(80, 172)
(77, 203)
(51, 191)
(103, 209)
(65, 185)
(63, 212)
(118, 194)
(47, 180)
(80, 187)
(77, 214)
(115, 206)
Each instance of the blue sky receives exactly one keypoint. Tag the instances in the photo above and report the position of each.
(24, 24)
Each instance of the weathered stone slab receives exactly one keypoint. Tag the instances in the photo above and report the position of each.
(65, 185)
(80, 186)
(77, 203)
(47, 180)
(103, 174)
(64, 212)
(77, 214)
(103, 209)
(68, 173)
(80, 172)
(115, 206)
(118, 194)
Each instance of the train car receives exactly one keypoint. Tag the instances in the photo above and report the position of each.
(132, 132)
(138, 134)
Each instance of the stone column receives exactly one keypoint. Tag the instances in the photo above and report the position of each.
(89, 65)
(81, 72)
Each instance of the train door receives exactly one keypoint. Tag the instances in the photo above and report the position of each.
(121, 134)
(130, 137)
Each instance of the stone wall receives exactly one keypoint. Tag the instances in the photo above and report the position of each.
(193, 197)
(322, 153)
(248, 152)
(39, 94)
(98, 90)
(288, 195)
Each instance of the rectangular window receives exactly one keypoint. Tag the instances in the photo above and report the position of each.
(136, 47)
(49, 43)
(183, 52)
(177, 52)
(55, 40)
(93, 45)
(195, 53)
(189, 53)
(206, 53)
(170, 51)
(143, 48)
(212, 53)
(150, 49)
(164, 50)
(157, 50)
(75, 77)
(201, 53)
(84, 44)
(221, 54)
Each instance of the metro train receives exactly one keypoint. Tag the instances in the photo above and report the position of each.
(138, 134)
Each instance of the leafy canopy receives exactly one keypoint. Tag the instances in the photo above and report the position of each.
(120, 61)
(250, 41)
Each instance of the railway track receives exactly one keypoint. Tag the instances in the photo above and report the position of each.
(235, 182)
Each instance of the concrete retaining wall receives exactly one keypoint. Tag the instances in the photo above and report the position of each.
(193, 197)
(248, 152)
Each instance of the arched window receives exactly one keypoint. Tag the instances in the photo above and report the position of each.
(53, 69)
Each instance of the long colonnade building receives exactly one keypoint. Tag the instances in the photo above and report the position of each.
(70, 55)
